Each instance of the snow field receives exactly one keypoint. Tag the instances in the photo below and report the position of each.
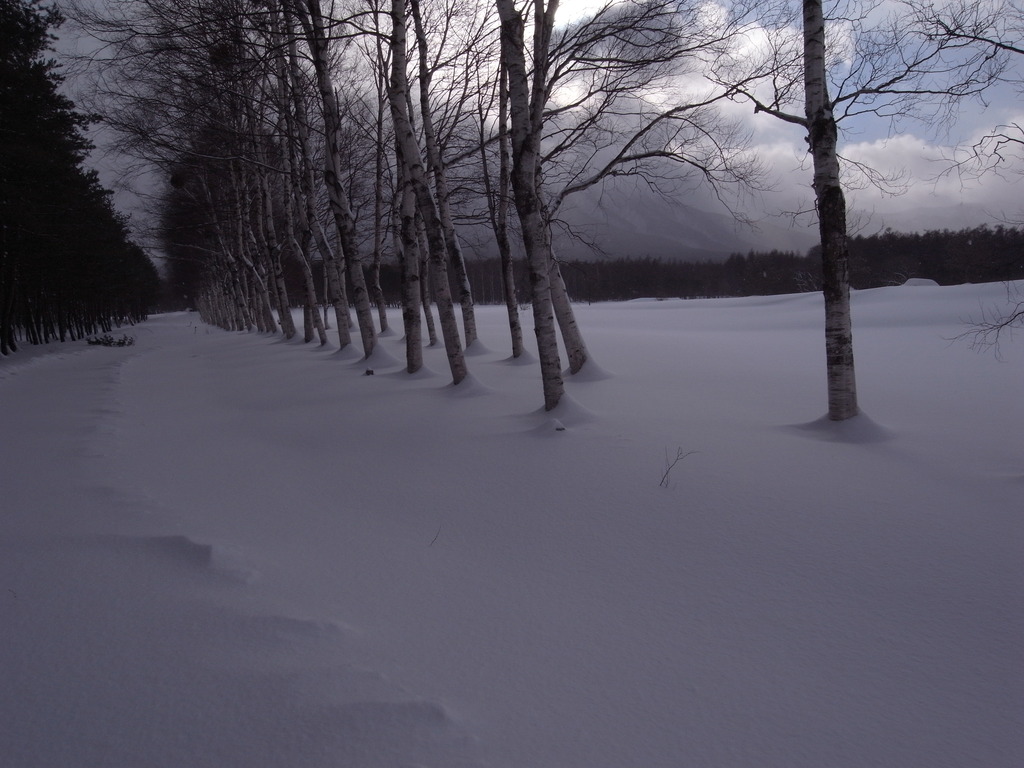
(227, 549)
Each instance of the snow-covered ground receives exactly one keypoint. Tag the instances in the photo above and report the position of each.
(222, 549)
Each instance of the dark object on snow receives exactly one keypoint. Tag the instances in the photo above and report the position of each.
(107, 340)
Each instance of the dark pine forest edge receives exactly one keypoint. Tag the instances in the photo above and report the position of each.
(68, 267)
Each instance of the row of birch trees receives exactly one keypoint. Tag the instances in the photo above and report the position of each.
(318, 138)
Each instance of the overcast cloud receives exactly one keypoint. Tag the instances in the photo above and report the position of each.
(931, 193)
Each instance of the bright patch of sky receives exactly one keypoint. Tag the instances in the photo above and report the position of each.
(571, 10)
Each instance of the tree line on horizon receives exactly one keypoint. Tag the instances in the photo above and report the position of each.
(949, 257)
(971, 255)
(68, 268)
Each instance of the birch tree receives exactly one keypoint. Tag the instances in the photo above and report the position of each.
(373, 117)
(867, 61)
(527, 92)
(497, 195)
(822, 138)
(436, 164)
(291, 110)
(407, 248)
(414, 173)
(319, 42)
(600, 97)
(304, 191)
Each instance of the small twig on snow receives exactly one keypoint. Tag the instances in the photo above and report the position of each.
(670, 465)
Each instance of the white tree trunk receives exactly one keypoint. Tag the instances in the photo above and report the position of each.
(318, 41)
(334, 268)
(412, 163)
(426, 281)
(407, 247)
(572, 337)
(273, 245)
(497, 203)
(436, 166)
(244, 227)
(334, 274)
(296, 162)
(527, 121)
(378, 208)
(823, 138)
(241, 317)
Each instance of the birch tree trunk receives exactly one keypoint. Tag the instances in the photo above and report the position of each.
(301, 240)
(572, 337)
(318, 41)
(334, 269)
(527, 112)
(426, 281)
(435, 164)
(263, 235)
(295, 157)
(262, 310)
(497, 207)
(823, 137)
(378, 198)
(266, 311)
(413, 170)
(267, 234)
(259, 256)
(407, 247)
(241, 316)
(307, 322)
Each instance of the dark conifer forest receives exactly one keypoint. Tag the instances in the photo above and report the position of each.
(975, 255)
(68, 268)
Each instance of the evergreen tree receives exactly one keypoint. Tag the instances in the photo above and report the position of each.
(67, 266)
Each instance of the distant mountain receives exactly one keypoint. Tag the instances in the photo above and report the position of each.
(616, 224)
(635, 226)
(648, 225)
(952, 217)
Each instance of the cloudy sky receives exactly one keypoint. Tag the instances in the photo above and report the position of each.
(931, 194)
